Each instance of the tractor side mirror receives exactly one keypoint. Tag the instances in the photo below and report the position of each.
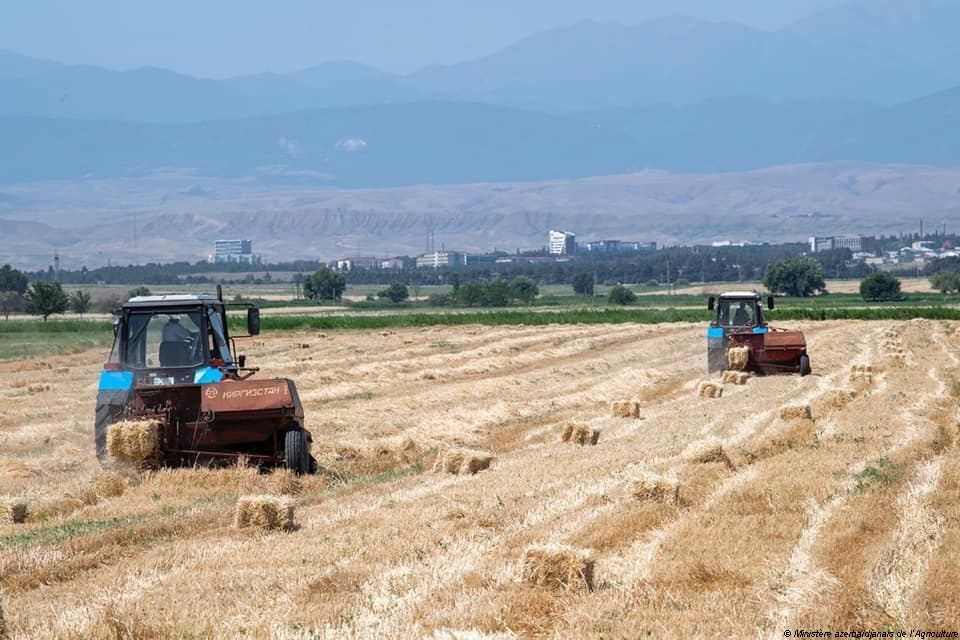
(253, 321)
(711, 303)
(116, 325)
(770, 304)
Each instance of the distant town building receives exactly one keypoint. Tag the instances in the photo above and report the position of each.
(391, 263)
(562, 243)
(831, 243)
(730, 243)
(234, 251)
(439, 259)
(616, 246)
(357, 263)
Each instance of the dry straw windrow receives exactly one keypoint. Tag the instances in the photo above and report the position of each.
(580, 434)
(134, 440)
(13, 510)
(709, 390)
(558, 567)
(273, 513)
(462, 461)
(796, 412)
(738, 358)
(625, 409)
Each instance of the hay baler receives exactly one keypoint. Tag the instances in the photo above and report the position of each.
(174, 364)
(738, 324)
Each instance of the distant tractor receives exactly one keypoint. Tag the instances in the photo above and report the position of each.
(174, 366)
(739, 338)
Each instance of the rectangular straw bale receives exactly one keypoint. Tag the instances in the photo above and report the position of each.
(272, 513)
(459, 461)
(738, 358)
(710, 390)
(558, 567)
(708, 453)
(134, 440)
(735, 377)
(13, 510)
(796, 412)
(626, 409)
(838, 398)
(580, 434)
(654, 488)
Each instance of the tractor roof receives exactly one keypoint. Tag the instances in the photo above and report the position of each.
(752, 295)
(179, 300)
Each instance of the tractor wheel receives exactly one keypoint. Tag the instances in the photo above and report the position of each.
(804, 365)
(296, 456)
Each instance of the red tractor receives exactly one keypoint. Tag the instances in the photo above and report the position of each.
(739, 338)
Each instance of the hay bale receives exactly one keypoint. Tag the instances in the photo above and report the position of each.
(709, 453)
(462, 461)
(625, 409)
(134, 440)
(654, 488)
(557, 566)
(580, 434)
(272, 513)
(735, 377)
(13, 510)
(109, 484)
(710, 390)
(738, 358)
(796, 412)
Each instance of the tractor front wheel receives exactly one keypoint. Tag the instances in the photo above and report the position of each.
(296, 455)
(804, 365)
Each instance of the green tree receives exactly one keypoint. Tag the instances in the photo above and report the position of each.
(524, 289)
(396, 292)
(583, 283)
(470, 294)
(10, 302)
(12, 280)
(45, 299)
(325, 284)
(80, 302)
(139, 292)
(621, 295)
(798, 277)
(946, 281)
(880, 287)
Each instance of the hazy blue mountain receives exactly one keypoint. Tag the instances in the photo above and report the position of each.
(726, 134)
(431, 142)
(14, 65)
(921, 131)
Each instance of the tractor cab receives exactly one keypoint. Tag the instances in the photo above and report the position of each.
(176, 339)
(738, 311)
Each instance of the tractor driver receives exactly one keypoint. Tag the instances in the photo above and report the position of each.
(173, 331)
(743, 316)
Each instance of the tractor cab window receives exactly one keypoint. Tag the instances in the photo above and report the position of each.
(219, 347)
(734, 313)
(164, 340)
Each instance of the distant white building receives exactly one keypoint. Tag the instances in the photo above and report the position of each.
(562, 243)
(439, 259)
(357, 263)
(234, 251)
(830, 243)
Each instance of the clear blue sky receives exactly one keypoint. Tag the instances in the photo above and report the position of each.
(227, 37)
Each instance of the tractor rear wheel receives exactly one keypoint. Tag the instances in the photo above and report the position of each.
(804, 365)
(296, 455)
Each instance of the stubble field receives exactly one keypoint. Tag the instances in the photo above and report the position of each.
(849, 518)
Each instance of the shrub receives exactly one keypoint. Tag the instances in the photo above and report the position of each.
(946, 281)
(396, 293)
(621, 295)
(583, 283)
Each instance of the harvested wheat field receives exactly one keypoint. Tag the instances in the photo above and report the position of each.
(847, 519)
